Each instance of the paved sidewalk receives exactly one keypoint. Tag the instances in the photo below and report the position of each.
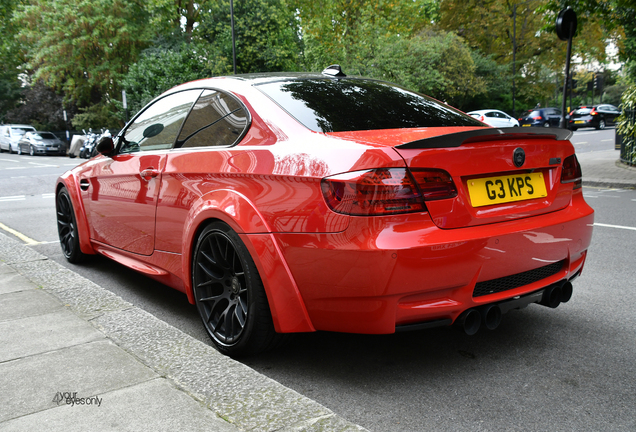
(75, 357)
(603, 169)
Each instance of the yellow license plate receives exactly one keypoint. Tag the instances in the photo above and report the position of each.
(579, 121)
(496, 190)
(526, 125)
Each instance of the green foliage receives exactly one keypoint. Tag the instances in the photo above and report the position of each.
(84, 47)
(348, 31)
(459, 51)
(41, 107)
(627, 125)
(10, 57)
(165, 66)
(100, 115)
(266, 33)
(438, 64)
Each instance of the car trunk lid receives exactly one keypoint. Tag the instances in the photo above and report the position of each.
(500, 174)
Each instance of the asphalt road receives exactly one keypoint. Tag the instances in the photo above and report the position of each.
(572, 368)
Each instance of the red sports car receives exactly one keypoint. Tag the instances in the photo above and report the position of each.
(282, 203)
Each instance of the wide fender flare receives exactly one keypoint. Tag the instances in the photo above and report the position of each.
(289, 313)
(70, 182)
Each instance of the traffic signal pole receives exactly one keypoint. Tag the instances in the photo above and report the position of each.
(565, 28)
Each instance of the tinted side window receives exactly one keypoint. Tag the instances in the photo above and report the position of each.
(217, 119)
(157, 127)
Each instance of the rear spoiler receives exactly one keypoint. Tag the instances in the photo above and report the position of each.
(487, 134)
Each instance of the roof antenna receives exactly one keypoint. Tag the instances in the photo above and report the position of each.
(334, 70)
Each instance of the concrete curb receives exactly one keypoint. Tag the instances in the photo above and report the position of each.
(234, 392)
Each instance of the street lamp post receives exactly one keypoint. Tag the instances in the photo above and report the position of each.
(233, 37)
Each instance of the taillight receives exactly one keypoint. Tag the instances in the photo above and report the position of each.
(385, 191)
(434, 184)
(571, 172)
(482, 118)
(537, 118)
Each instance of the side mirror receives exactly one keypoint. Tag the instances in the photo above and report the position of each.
(105, 146)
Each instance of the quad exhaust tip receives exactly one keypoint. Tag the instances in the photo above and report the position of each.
(471, 320)
(556, 294)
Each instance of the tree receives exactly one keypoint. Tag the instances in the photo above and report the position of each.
(347, 31)
(41, 107)
(164, 66)
(11, 57)
(266, 31)
(523, 31)
(84, 47)
(438, 64)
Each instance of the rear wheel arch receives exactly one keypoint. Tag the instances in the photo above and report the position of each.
(287, 307)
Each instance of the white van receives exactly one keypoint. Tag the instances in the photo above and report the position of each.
(11, 134)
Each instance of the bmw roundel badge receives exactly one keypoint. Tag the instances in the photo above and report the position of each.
(519, 157)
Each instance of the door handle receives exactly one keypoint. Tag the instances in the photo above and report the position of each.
(149, 173)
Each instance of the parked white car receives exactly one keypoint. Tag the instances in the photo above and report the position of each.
(494, 118)
(11, 134)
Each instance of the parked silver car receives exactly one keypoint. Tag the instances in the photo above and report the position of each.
(11, 134)
(40, 142)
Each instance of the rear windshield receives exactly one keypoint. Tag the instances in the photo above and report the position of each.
(329, 105)
(583, 111)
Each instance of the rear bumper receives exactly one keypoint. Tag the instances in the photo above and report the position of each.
(398, 271)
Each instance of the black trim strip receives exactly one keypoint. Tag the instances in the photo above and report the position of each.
(486, 134)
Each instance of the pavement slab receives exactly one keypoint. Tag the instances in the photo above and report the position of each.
(134, 409)
(41, 333)
(90, 369)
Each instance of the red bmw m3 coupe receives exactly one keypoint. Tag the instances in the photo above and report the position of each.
(283, 203)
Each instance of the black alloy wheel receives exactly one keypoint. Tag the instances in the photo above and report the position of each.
(229, 293)
(67, 228)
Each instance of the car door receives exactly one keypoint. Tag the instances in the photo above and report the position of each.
(610, 113)
(120, 192)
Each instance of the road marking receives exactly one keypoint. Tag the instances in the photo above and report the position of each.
(9, 160)
(41, 164)
(607, 140)
(16, 168)
(615, 226)
(29, 241)
(13, 198)
(48, 195)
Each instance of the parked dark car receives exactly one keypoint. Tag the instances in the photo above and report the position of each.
(39, 142)
(597, 116)
(541, 117)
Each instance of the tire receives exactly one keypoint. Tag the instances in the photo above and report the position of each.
(546, 124)
(10, 149)
(229, 294)
(67, 228)
(19, 150)
(31, 151)
(601, 124)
